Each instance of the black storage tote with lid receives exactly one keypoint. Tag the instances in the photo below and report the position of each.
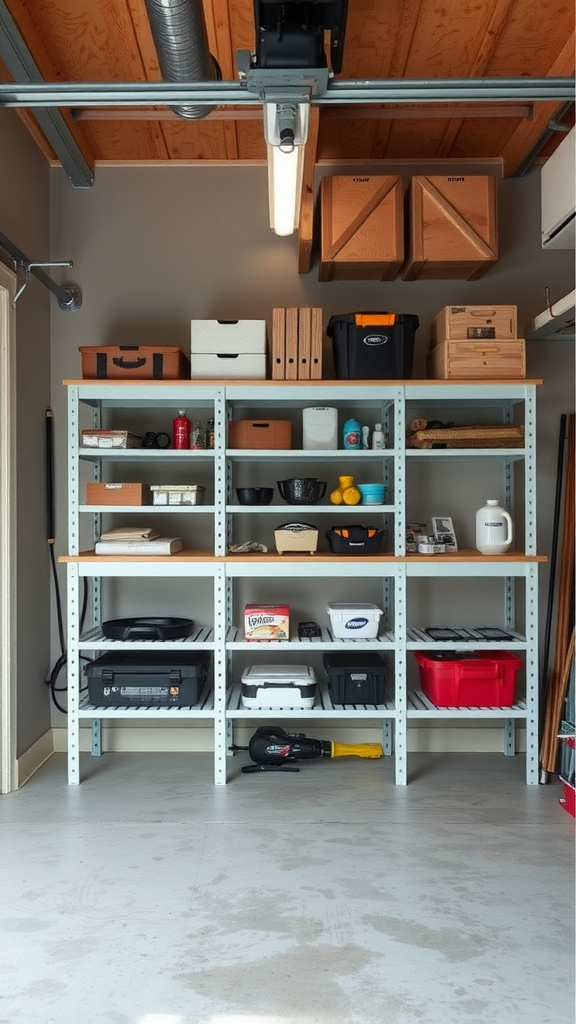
(373, 346)
(356, 678)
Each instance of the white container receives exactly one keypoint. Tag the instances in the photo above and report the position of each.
(278, 686)
(494, 531)
(177, 494)
(228, 349)
(354, 621)
(320, 428)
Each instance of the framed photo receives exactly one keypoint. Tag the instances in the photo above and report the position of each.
(443, 531)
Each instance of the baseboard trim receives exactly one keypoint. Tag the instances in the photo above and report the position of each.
(33, 758)
(458, 739)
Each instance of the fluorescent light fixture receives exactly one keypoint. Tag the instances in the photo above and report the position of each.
(285, 131)
(285, 188)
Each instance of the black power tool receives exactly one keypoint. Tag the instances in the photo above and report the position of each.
(275, 750)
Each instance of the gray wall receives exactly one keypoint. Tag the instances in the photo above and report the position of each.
(25, 220)
(154, 247)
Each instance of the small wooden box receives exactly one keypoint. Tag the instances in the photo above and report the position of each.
(477, 360)
(259, 434)
(116, 494)
(473, 323)
(134, 362)
(362, 228)
(453, 227)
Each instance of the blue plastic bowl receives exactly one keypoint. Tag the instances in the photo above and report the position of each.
(372, 494)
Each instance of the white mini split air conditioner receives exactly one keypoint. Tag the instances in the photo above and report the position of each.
(558, 178)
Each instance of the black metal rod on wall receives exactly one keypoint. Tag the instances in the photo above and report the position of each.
(69, 297)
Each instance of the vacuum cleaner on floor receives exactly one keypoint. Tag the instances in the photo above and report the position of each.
(274, 750)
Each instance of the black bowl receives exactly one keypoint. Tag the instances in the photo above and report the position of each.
(254, 495)
(302, 490)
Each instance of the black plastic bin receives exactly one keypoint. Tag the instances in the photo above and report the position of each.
(147, 678)
(358, 678)
(369, 346)
(354, 540)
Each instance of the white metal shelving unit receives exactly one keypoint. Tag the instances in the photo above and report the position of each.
(390, 403)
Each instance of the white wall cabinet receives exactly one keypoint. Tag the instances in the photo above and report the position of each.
(208, 584)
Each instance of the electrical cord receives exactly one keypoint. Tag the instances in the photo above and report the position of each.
(62, 660)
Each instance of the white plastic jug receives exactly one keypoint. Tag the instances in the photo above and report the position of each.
(494, 529)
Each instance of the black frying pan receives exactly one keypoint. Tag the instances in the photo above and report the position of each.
(147, 628)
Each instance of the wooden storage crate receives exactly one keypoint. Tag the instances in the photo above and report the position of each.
(259, 434)
(362, 228)
(461, 323)
(453, 227)
(478, 360)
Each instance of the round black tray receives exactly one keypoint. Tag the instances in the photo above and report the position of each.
(147, 628)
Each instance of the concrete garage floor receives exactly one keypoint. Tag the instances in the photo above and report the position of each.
(149, 896)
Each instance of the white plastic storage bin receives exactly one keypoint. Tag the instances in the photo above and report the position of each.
(232, 349)
(278, 686)
(354, 621)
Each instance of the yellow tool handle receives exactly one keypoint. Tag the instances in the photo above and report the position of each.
(356, 749)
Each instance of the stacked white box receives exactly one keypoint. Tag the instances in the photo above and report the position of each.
(228, 349)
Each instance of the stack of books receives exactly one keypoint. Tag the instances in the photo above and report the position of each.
(136, 540)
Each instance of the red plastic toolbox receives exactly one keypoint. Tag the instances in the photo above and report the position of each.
(478, 679)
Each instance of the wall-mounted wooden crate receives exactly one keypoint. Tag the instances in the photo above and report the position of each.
(453, 227)
(362, 228)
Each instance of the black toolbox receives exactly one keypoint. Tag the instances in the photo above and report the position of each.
(147, 678)
(373, 346)
(358, 678)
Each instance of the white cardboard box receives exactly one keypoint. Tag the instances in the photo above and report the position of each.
(228, 349)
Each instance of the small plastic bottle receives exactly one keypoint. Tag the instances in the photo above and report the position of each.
(378, 440)
(181, 427)
(210, 434)
(352, 434)
(198, 437)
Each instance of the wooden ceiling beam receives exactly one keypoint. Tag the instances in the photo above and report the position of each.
(306, 224)
(494, 27)
(528, 133)
(46, 68)
(409, 15)
(149, 66)
(354, 112)
(220, 42)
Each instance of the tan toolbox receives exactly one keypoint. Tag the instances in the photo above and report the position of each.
(134, 362)
(472, 323)
(491, 359)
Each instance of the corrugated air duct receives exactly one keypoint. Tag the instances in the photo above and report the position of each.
(179, 32)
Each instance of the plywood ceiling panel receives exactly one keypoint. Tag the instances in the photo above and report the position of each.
(111, 40)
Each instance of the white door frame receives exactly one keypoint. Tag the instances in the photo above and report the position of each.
(8, 775)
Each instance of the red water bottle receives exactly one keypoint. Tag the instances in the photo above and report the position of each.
(181, 427)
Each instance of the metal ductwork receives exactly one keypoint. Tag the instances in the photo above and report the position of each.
(179, 32)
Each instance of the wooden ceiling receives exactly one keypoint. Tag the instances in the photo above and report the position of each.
(110, 40)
